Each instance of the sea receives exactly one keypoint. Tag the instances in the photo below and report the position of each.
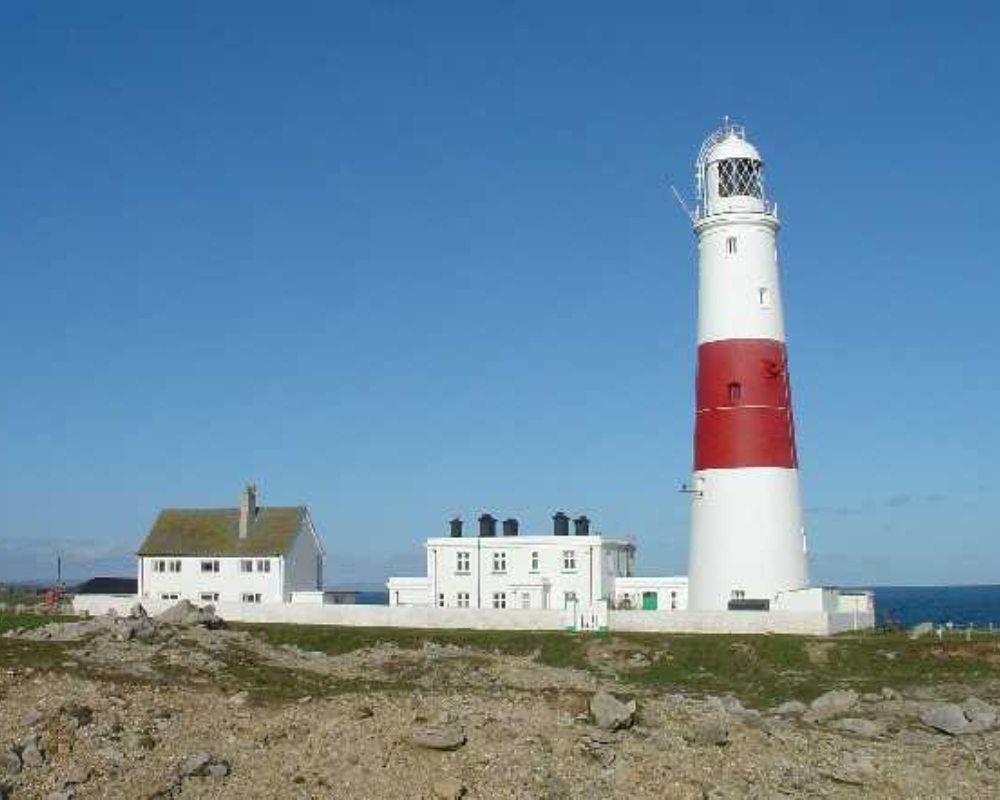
(907, 605)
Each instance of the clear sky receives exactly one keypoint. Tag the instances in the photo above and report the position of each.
(401, 260)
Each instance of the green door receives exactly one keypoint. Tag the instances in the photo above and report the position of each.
(649, 601)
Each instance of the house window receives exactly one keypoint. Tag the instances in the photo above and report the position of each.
(159, 566)
(731, 245)
(499, 600)
(246, 565)
(569, 598)
(441, 602)
(500, 562)
(569, 559)
(673, 601)
(209, 597)
(263, 565)
(250, 597)
(463, 599)
(170, 596)
(764, 296)
(735, 393)
(210, 566)
(174, 566)
(525, 600)
(534, 562)
(737, 594)
(462, 561)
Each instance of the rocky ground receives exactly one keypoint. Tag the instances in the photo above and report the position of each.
(141, 708)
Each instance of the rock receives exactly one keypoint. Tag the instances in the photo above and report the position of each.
(10, 763)
(362, 712)
(945, 717)
(438, 738)
(187, 614)
(239, 699)
(979, 712)
(638, 661)
(855, 769)
(923, 629)
(610, 713)
(792, 708)
(137, 611)
(859, 727)
(889, 694)
(32, 718)
(831, 704)
(194, 764)
(64, 794)
(32, 754)
(709, 731)
(75, 715)
(448, 789)
(218, 770)
(76, 776)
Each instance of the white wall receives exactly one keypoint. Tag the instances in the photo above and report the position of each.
(229, 582)
(671, 593)
(792, 622)
(545, 586)
(409, 592)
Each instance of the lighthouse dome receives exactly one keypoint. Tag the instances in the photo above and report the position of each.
(730, 173)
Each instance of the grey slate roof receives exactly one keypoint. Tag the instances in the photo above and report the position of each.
(215, 532)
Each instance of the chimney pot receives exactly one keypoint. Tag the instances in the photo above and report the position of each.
(510, 527)
(560, 525)
(487, 525)
(456, 528)
(582, 525)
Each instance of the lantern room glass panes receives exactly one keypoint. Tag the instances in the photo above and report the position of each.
(740, 177)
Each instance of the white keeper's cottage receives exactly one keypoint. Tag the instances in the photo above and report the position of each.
(250, 554)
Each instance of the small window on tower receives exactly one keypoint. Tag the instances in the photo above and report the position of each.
(731, 245)
(764, 297)
(735, 393)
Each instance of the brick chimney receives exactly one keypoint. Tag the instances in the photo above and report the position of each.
(248, 509)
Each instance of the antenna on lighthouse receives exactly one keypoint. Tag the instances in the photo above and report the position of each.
(690, 214)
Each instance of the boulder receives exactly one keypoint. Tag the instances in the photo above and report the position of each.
(76, 715)
(945, 717)
(859, 727)
(855, 769)
(438, 738)
(76, 776)
(187, 614)
(201, 765)
(448, 789)
(791, 708)
(979, 712)
(923, 629)
(714, 730)
(32, 754)
(610, 713)
(831, 704)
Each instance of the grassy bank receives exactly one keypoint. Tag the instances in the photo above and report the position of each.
(760, 669)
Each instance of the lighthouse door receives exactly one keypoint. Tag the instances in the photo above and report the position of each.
(649, 601)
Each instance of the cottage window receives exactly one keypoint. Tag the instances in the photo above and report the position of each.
(441, 601)
(569, 598)
(159, 566)
(463, 599)
(462, 562)
(209, 597)
(673, 601)
(534, 562)
(500, 562)
(499, 600)
(210, 566)
(525, 600)
(170, 596)
(737, 594)
(250, 597)
(175, 566)
(246, 565)
(263, 565)
(569, 559)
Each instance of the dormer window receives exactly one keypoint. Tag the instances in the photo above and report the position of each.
(740, 177)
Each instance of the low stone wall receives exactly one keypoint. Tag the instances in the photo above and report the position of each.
(350, 615)
(813, 623)
(802, 623)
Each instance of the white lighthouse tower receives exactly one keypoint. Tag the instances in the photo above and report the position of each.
(747, 537)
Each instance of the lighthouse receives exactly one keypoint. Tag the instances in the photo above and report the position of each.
(748, 542)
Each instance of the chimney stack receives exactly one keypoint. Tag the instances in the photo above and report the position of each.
(487, 525)
(582, 526)
(510, 527)
(248, 509)
(560, 524)
(456, 528)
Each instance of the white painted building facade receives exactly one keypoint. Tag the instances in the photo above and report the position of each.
(249, 555)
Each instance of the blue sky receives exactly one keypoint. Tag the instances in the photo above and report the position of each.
(397, 261)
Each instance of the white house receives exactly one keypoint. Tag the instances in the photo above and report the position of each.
(250, 554)
(513, 571)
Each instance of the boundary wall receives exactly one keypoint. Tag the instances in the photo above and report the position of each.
(802, 623)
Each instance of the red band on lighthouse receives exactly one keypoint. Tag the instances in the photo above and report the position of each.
(744, 406)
